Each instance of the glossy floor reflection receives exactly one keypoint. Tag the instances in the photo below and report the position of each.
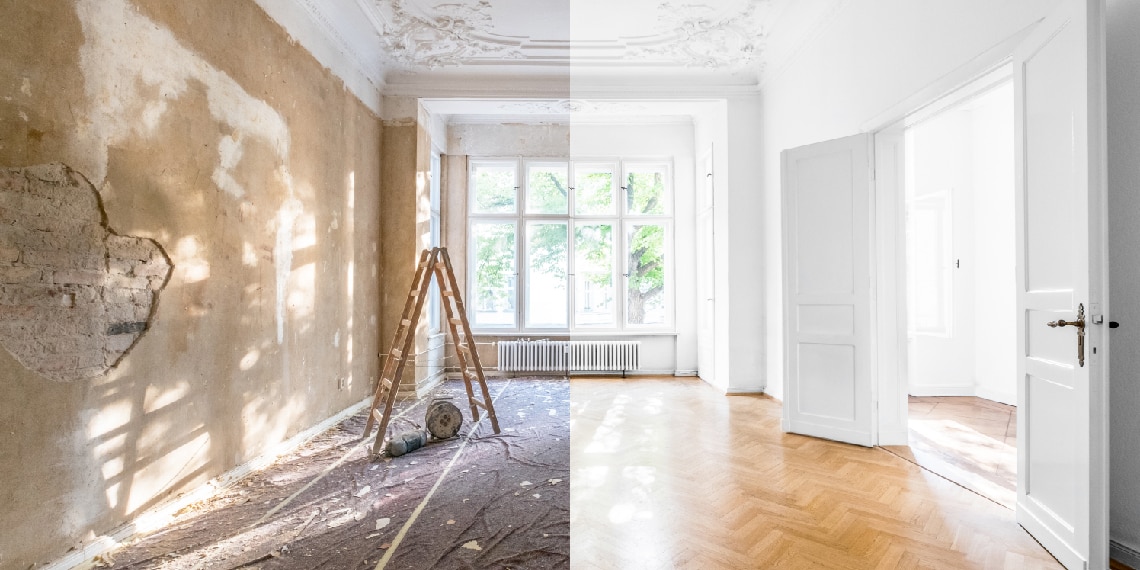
(971, 441)
(668, 473)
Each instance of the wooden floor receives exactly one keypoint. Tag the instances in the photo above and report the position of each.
(668, 473)
(971, 441)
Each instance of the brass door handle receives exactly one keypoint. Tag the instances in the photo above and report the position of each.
(1080, 326)
(1079, 323)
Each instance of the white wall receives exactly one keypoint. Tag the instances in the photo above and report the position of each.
(872, 57)
(732, 128)
(1124, 262)
(939, 158)
(969, 148)
(995, 245)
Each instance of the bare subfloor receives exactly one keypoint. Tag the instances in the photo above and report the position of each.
(971, 441)
(484, 501)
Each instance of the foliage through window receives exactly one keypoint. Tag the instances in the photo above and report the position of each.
(578, 245)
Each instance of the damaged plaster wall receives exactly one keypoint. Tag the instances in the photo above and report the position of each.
(209, 133)
(74, 297)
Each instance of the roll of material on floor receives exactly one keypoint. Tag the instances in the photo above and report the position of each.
(407, 442)
(443, 419)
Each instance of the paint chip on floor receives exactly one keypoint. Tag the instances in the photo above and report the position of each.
(381, 523)
(472, 545)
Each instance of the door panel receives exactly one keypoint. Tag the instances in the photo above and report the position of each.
(827, 297)
(1058, 81)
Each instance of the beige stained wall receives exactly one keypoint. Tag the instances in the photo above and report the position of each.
(205, 128)
(406, 232)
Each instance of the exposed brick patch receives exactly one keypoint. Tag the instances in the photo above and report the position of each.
(74, 296)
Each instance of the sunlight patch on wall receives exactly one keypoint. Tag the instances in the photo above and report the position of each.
(126, 79)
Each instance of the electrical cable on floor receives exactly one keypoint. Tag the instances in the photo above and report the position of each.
(419, 508)
(327, 470)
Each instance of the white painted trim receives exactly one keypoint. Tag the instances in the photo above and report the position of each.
(988, 61)
(745, 391)
(934, 390)
(571, 119)
(685, 373)
(557, 87)
(1123, 553)
(894, 437)
(1007, 398)
(164, 513)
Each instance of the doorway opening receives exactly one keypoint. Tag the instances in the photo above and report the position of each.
(961, 368)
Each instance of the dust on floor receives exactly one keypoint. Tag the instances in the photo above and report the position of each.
(502, 501)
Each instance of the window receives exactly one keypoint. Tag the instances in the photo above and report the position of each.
(559, 245)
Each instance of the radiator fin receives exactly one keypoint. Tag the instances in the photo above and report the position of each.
(569, 356)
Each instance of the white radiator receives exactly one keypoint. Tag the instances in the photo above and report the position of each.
(569, 355)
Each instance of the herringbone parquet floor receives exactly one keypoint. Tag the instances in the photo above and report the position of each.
(667, 473)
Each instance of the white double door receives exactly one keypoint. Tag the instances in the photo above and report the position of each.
(830, 287)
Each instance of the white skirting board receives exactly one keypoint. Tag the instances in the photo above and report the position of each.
(1125, 554)
(1000, 397)
(996, 396)
(924, 390)
(163, 514)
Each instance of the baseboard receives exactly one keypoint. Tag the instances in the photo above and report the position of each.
(997, 396)
(928, 391)
(1124, 554)
(163, 514)
(894, 437)
(684, 373)
(743, 391)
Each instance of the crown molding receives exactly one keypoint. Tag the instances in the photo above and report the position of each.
(422, 35)
(319, 32)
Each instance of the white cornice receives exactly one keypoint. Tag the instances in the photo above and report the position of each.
(312, 24)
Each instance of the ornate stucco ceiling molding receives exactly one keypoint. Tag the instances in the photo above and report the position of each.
(449, 35)
(698, 38)
(427, 34)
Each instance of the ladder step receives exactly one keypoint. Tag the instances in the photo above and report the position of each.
(376, 413)
(414, 294)
(455, 321)
(464, 346)
(479, 403)
(396, 353)
(387, 382)
(448, 293)
(405, 322)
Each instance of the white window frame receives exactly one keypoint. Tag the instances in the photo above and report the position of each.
(620, 220)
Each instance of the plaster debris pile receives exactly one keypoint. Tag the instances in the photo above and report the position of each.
(74, 296)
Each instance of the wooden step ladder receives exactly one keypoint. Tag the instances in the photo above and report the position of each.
(436, 262)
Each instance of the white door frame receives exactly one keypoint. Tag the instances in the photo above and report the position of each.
(892, 348)
(889, 195)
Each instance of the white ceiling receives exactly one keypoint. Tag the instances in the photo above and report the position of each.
(436, 46)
